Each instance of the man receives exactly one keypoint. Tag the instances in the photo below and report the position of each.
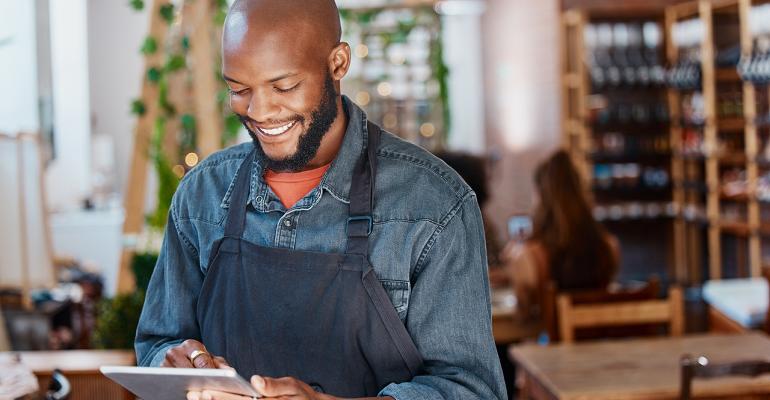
(326, 258)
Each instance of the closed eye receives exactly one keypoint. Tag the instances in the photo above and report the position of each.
(236, 92)
(287, 90)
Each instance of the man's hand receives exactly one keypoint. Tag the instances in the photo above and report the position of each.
(179, 357)
(283, 388)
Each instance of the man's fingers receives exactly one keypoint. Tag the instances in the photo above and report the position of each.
(221, 363)
(193, 395)
(176, 358)
(179, 357)
(214, 395)
(270, 387)
(204, 361)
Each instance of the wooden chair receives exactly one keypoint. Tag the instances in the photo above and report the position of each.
(701, 368)
(649, 290)
(766, 274)
(600, 309)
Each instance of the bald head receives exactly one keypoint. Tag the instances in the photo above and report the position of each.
(312, 24)
(283, 61)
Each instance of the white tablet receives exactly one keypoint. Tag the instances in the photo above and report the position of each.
(174, 383)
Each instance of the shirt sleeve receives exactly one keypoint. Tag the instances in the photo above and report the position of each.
(169, 314)
(450, 317)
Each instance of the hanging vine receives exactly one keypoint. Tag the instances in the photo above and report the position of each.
(176, 119)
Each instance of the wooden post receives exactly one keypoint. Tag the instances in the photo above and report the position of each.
(566, 126)
(178, 95)
(752, 146)
(209, 117)
(23, 234)
(5, 343)
(710, 139)
(681, 272)
(676, 302)
(137, 180)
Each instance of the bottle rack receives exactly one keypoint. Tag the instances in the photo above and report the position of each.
(616, 127)
(715, 138)
(754, 70)
(712, 135)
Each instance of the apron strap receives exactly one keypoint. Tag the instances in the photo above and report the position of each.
(359, 225)
(236, 213)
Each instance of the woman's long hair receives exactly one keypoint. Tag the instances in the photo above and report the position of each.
(577, 246)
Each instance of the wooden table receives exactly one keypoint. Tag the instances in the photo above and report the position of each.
(736, 305)
(637, 369)
(81, 367)
(506, 327)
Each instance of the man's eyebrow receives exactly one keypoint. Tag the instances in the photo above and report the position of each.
(281, 77)
(273, 80)
(227, 78)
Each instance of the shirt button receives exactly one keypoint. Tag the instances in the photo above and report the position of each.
(287, 223)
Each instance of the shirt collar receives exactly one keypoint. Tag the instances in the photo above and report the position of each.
(337, 179)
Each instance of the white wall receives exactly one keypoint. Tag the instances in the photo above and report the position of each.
(461, 31)
(115, 34)
(523, 98)
(68, 176)
(18, 75)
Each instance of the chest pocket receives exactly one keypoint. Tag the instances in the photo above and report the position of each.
(398, 293)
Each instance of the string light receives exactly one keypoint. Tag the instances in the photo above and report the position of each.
(427, 129)
(399, 59)
(384, 89)
(191, 159)
(362, 51)
(363, 98)
(390, 120)
(178, 170)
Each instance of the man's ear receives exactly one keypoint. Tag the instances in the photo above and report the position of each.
(339, 61)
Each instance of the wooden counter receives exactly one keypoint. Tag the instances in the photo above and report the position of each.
(637, 369)
(81, 367)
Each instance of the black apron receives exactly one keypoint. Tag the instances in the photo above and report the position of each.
(322, 318)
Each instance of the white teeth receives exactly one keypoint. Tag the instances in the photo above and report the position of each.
(277, 131)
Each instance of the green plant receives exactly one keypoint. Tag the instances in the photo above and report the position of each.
(167, 180)
(142, 266)
(118, 317)
(170, 116)
(117, 321)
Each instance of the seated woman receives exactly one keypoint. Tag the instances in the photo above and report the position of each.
(567, 246)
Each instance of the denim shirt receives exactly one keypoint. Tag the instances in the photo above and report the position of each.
(427, 249)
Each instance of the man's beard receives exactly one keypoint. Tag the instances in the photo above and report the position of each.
(322, 119)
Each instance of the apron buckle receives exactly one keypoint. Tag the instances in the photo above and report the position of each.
(355, 229)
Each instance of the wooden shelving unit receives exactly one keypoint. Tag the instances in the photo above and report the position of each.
(757, 104)
(729, 140)
(617, 130)
(716, 149)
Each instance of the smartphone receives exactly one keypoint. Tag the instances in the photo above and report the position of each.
(519, 227)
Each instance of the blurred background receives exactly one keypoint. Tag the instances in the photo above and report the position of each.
(662, 106)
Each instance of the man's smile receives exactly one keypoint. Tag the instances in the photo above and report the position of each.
(276, 131)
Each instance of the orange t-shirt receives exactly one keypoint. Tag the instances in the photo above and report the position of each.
(291, 187)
